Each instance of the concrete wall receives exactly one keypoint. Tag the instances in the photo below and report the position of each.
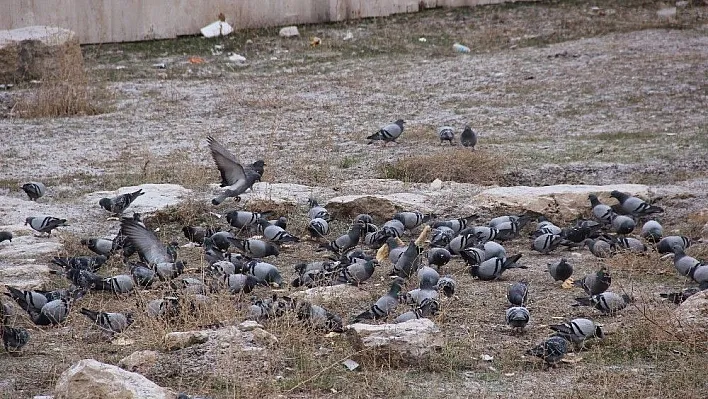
(104, 21)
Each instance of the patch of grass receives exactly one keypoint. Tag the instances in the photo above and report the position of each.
(347, 162)
(461, 165)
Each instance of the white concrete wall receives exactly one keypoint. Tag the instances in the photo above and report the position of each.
(104, 21)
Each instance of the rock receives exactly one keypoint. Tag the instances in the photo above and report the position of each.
(562, 201)
(139, 360)
(681, 4)
(333, 294)
(669, 12)
(692, 314)
(249, 325)
(380, 207)
(215, 29)
(39, 53)
(278, 192)
(237, 59)
(183, 339)
(90, 379)
(263, 337)
(26, 276)
(156, 197)
(289, 31)
(436, 185)
(400, 344)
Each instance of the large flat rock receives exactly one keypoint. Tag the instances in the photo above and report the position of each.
(155, 197)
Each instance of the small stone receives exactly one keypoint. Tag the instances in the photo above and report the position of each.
(487, 358)
(436, 185)
(179, 340)
(237, 58)
(350, 364)
(249, 325)
(669, 12)
(289, 31)
(138, 360)
(264, 337)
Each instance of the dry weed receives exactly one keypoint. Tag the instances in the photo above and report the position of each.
(461, 165)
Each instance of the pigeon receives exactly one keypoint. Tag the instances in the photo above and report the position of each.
(143, 275)
(518, 293)
(428, 307)
(631, 244)
(447, 284)
(412, 220)
(319, 318)
(652, 231)
(482, 233)
(461, 243)
(14, 338)
(110, 322)
(578, 330)
(123, 283)
(318, 227)
(438, 256)
(606, 302)
(551, 350)
(700, 275)
(474, 256)
(600, 248)
(388, 133)
(253, 248)
(5, 236)
(521, 220)
(119, 203)
(346, 241)
(468, 138)
(492, 269)
(222, 268)
(517, 317)
(622, 224)
(427, 290)
(121, 241)
(197, 234)
(393, 228)
(100, 246)
(446, 133)
(316, 211)
(684, 264)
(680, 296)
(34, 190)
(189, 285)
(211, 254)
(264, 271)
(578, 234)
(53, 312)
(237, 283)
(234, 176)
(408, 261)
(45, 224)
(456, 225)
(222, 240)
(357, 272)
(269, 308)
(384, 305)
(493, 250)
(561, 270)
(28, 299)
(441, 236)
(151, 249)
(595, 283)
(363, 218)
(546, 243)
(243, 219)
(667, 244)
(275, 233)
(167, 307)
(506, 231)
(600, 211)
(91, 263)
(633, 205)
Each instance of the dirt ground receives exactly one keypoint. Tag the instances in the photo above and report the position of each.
(560, 93)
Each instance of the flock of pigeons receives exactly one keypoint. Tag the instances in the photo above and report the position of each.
(236, 260)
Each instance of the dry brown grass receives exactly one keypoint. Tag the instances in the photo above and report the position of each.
(461, 165)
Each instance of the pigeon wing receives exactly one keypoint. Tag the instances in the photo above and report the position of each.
(146, 242)
(229, 167)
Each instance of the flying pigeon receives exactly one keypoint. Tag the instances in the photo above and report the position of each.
(234, 176)
(388, 133)
(633, 205)
(119, 203)
(34, 190)
(45, 224)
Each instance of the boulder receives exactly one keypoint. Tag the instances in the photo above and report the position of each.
(39, 53)
(289, 31)
(564, 202)
(90, 379)
(156, 197)
(26, 275)
(692, 315)
(399, 344)
(380, 207)
(139, 360)
(183, 339)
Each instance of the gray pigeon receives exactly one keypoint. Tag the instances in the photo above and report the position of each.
(667, 244)
(561, 270)
(428, 308)
(14, 338)
(600, 248)
(197, 234)
(700, 275)
(595, 283)
(633, 205)
(101, 246)
(243, 219)
(622, 224)
(234, 176)
(652, 231)
(317, 211)
(34, 190)
(45, 224)
(388, 133)
(28, 299)
(447, 285)
(456, 225)
(254, 248)
(143, 275)
(684, 264)
(446, 133)
(408, 262)
(606, 302)
(578, 330)
(438, 256)
(237, 283)
(517, 317)
(412, 220)
(111, 322)
(393, 228)
(427, 290)
(357, 272)
(631, 244)
(53, 312)
(468, 138)
(462, 243)
(318, 317)
(492, 269)
(5, 236)
(119, 203)
(167, 307)
(92, 263)
(150, 248)
(264, 271)
(602, 212)
(123, 283)
(546, 243)
(493, 250)
(384, 305)
(518, 293)
(441, 236)
(551, 350)
(275, 233)
(346, 241)
(318, 227)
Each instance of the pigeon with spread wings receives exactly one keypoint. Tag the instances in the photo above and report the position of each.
(234, 176)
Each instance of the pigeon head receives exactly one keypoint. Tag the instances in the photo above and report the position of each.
(599, 333)
(5, 235)
(620, 196)
(400, 123)
(28, 220)
(364, 218)
(105, 203)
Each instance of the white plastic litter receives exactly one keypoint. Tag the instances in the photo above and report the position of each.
(218, 28)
